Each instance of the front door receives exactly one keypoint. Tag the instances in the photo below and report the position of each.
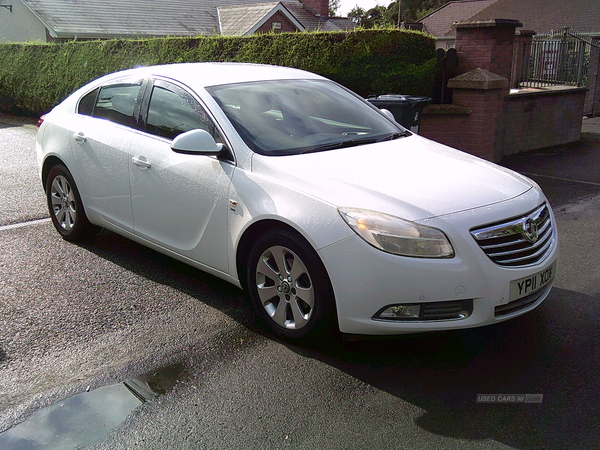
(179, 201)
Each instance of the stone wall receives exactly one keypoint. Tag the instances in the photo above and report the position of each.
(447, 124)
(485, 118)
(539, 119)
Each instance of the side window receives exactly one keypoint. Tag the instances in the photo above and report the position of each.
(173, 111)
(86, 104)
(117, 103)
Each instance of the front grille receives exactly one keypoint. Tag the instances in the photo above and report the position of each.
(452, 310)
(518, 242)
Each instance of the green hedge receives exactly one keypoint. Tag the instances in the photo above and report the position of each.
(34, 77)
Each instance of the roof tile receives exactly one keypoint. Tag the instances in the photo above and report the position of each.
(542, 16)
(137, 18)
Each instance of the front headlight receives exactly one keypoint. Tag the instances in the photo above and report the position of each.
(398, 236)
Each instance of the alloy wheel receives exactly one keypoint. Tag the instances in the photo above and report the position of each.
(285, 288)
(63, 203)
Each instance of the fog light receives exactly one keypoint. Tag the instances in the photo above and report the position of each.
(400, 312)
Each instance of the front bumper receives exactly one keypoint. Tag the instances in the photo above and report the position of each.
(366, 280)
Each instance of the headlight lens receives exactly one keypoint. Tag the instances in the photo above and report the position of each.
(398, 236)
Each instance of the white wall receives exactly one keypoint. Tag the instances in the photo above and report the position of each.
(445, 43)
(20, 25)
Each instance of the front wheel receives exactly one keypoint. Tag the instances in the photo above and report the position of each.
(289, 286)
(65, 206)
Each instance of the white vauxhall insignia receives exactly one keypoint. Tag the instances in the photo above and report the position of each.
(286, 184)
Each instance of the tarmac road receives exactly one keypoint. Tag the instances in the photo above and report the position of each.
(78, 317)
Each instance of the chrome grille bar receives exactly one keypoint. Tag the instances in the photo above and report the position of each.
(510, 228)
(542, 233)
(490, 251)
(518, 242)
(533, 257)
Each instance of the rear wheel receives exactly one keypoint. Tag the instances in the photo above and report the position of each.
(65, 206)
(289, 286)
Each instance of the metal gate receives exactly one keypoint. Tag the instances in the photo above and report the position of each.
(561, 58)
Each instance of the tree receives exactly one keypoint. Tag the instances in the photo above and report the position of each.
(410, 11)
(381, 16)
(374, 17)
(357, 15)
(334, 6)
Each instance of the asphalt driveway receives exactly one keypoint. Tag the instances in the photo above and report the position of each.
(74, 317)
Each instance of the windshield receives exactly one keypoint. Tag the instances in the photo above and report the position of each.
(287, 117)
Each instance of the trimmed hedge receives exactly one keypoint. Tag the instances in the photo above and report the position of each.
(34, 77)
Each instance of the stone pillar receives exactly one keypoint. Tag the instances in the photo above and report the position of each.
(486, 45)
(592, 100)
(483, 93)
(485, 50)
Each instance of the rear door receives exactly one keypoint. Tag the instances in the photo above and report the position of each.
(102, 134)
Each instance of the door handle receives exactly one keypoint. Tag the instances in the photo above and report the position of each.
(79, 137)
(141, 162)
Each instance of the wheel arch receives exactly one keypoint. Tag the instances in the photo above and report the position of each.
(326, 322)
(50, 162)
(73, 225)
(250, 235)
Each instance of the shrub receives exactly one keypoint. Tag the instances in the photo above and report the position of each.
(34, 77)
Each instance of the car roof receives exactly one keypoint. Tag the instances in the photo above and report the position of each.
(206, 74)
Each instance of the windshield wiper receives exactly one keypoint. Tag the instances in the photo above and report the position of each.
(397, 135)
(341, 144)
(355, 142)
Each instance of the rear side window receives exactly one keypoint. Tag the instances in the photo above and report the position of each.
(116, 103)
(86, 104)
(173, 111)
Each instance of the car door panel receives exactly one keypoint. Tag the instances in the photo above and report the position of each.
(179, 201)
(101, 154)
(102, 133)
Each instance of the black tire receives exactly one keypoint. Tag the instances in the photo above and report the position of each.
(290, 288)
(65, 206)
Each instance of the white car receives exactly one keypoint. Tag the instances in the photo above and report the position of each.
(286, 184)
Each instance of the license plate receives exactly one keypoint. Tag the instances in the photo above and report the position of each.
(528, 285)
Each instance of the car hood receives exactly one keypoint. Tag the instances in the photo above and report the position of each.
(410, 177)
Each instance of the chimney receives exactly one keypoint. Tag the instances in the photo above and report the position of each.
(317, 7)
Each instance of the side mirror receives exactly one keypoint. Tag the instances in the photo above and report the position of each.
(196, 142)
(387, 113)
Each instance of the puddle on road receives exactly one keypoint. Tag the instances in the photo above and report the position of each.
(79, 421)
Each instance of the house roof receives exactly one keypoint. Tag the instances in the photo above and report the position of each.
(541, 16)
(439, 23)
(136, 18)
(124, 18)
(308, 19)
(545, 16)
(343, 23)
(241, 20)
